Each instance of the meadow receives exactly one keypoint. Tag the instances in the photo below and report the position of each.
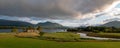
(106, 35)
(8, 40)
(61, 36)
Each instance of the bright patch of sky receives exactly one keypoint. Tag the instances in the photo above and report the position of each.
(118, 6)
(104, 17)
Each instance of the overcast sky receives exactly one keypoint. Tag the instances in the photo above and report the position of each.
(65, 12)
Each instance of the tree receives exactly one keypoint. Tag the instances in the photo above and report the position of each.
(41, 33)
(30, 27)
(24, 29)
(15, 30)
(39, 28)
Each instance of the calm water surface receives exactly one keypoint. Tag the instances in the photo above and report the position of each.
(43, 30)
(9, 30)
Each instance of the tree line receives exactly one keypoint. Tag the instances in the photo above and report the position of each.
(95, 29)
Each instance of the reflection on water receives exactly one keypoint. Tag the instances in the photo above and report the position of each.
(53, 30)
(43, 30)
(83, 35)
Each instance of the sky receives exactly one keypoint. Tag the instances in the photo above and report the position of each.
(65, 12)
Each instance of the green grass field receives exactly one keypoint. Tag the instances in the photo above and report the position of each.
(10, 41)
(106, 35)
(62, 36)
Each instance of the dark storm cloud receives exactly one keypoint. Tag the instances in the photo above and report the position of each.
(52, 9)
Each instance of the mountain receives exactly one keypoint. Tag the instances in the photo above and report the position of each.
(26, 24)
(50, 25)
(112, 24)
(14, 23)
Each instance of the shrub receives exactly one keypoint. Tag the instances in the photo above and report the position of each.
(15, 30)
(41, 33)
(96, 31)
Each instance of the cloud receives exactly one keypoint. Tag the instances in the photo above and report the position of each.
(53, 9)
(113, 19)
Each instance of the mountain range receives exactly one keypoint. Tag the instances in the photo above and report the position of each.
(14, 23)
(26, 24)
(112, 24)
(48, 24)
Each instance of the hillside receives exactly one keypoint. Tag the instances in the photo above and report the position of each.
(26, 24)
(112, 24)
(14, 23)
(49, 25)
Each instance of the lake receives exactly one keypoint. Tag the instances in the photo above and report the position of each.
(84, 35)
(54, 30)
(43, 30)
(9, 30)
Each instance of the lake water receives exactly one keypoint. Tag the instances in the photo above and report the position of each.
(43, 30)
(53, 30)
(84, 35)
(9, 30)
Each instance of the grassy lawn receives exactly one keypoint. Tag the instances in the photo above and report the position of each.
(10, 41)
(61, 36)
(107, 35)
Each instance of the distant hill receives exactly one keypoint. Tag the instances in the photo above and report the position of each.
(112, 24)
(26, 24)
(14, 23)
(50, 25)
